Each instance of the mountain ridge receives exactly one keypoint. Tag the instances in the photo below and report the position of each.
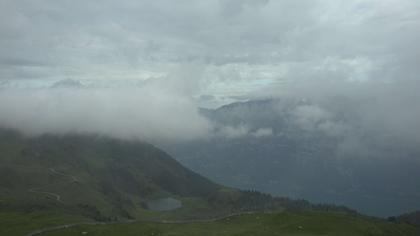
(308, 149)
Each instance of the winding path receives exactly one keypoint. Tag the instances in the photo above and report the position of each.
(55, 195)
(54, 228)
(73, 178)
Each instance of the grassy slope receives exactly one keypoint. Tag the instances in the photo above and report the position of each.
(299, 224)
(16, 223)
(411, 218)
(20, 222)
(115, 177)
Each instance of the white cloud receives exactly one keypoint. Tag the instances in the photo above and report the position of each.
(233, 132)
(263, 132)
(308, 117)
(144, 113)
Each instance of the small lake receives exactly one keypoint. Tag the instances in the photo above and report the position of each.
(164, 204)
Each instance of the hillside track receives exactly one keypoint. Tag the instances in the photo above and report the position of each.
(54, 195)
(210, 220)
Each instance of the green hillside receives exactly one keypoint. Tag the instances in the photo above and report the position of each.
(106, 186)
(298, 224)
(96, 177)
(412, 218)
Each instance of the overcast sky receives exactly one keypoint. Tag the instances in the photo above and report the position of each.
(202, 53)
(238, 45)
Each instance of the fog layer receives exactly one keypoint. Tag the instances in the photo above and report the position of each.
(141, 113)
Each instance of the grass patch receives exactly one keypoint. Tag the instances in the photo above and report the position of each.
(285, 223)
(13, 223)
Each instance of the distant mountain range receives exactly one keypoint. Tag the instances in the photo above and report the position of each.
(304, 149)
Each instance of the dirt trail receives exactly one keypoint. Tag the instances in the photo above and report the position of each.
(55, 195)
(40, 231)
(73, 178)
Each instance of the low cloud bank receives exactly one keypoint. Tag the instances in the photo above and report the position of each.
(143, 113)
(362, 115)
(387, 114)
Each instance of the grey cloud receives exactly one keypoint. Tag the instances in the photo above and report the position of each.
(364, 114)
(308, 117)
(20, 62)
(366, 51)
(234, 7)
(119, 36)
(239, 131)
(263, 132)
(141, 113)
(313, 118)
